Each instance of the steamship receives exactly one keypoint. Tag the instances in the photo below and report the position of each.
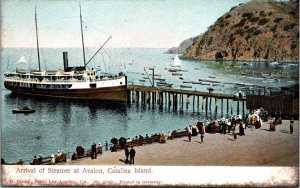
(71, 82)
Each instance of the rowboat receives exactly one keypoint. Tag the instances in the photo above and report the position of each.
(24, 110)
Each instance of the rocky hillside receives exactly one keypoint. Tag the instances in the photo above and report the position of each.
(182, 46)
(257, 30)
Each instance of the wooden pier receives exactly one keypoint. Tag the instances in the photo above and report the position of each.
(177, 98)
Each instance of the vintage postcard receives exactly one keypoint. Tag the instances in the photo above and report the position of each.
(150, 93)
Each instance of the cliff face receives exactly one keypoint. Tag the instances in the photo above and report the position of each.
(182, 46)
(257, 30)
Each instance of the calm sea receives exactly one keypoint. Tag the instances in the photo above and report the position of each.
(64, 124)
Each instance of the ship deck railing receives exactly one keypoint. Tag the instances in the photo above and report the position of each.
(31, 80)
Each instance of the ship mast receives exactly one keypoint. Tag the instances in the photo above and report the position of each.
(37, 40)
(84, 61)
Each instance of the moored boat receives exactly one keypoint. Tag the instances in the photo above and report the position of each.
(176, 74)
(24, 110)
(186, 86)
(71, 83)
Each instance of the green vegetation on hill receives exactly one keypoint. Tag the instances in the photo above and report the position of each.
(257, 30)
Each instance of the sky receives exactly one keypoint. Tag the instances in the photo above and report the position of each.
(131, 23)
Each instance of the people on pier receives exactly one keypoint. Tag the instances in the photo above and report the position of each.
(20, 162)
(241, 130)
(272, 123)
(58, 154)
(126, 154)
(40, 159)
(202, 132)
(94, 153)
(34, 160)
(52, 162)
(106, 146)
(74, 157)
(100, 148)
(188, 129)
(292, 126)
(234, 135)
(162, 138)
(132, 155)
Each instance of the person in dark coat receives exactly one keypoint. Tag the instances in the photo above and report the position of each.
(106, 146)
(74, 157)
(126, 154)
(94, 151)
(292, 126)
(234, 135)
(132, 155)
(241, 128)
(202, 132)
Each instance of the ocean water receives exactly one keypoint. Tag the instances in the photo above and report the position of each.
(65, 124)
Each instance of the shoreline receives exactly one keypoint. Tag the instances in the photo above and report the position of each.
(259, 147)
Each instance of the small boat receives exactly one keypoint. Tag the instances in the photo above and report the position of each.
(182, 70)
(142, 80)
(176, 74)
(211, 77)
(185, 86)
(164, 84)
(160, 79)
(24, 110)
(205, 83)
(187, 82)
(181, 78)
(172, 70)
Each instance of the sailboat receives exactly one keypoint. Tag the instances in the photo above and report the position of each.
(177, 61)
(71, 83)
(176, 66)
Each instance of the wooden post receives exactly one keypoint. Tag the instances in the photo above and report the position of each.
(153, 98)
(128, 96)
(182, 101)
(142, 97)
(148, 97)
(222, 107)
(203, 102)
(243, 108)
(166, 98)
(210, 103)
(137, 97)
(133, 96)
(187, 101)
(206, 103)
(193, 102)
(169, 99)
(198, 102)
(227, 107)
(216, 105)
(231, 107)
(175, 101)
(238, 107)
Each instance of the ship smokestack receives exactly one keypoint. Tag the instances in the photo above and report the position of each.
(66, 64)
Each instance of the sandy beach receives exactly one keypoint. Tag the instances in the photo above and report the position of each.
(259, 147)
